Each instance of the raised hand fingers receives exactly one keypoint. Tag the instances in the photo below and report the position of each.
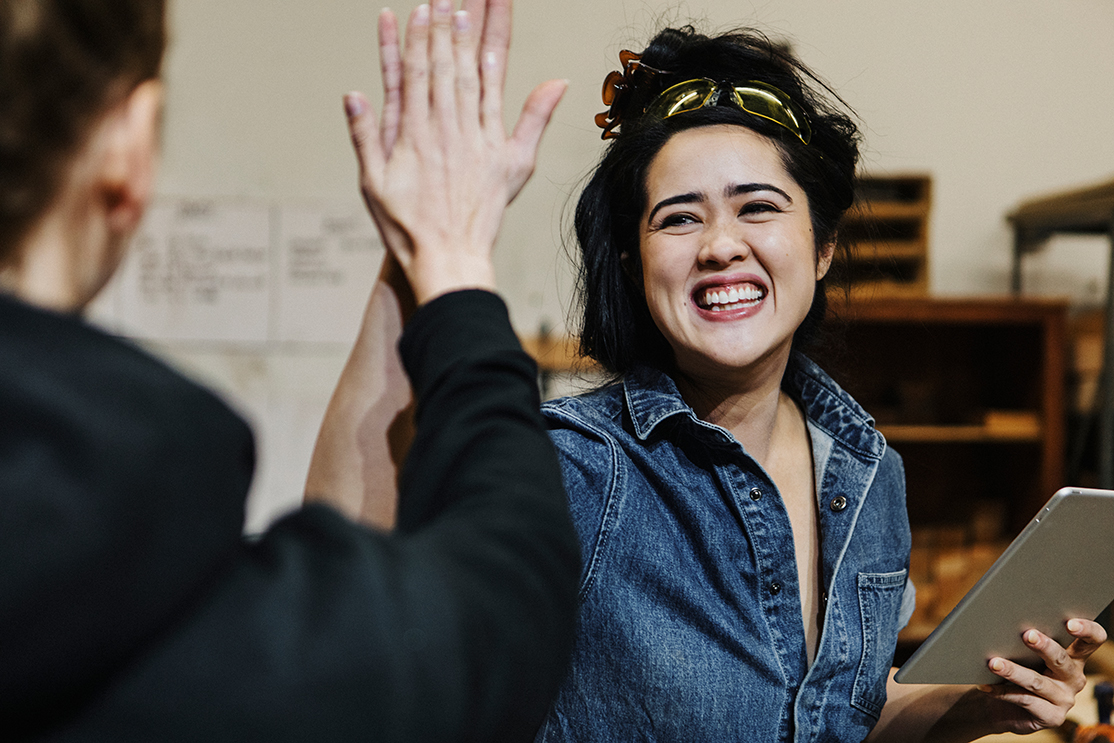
(477, 12)
(494, 47)
(438, 190)
(443, 68)
(361, 128)
(415, 72)
(390, 65)
(465, 38)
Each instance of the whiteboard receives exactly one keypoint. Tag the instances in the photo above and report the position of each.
(260, 301)
(228, 271)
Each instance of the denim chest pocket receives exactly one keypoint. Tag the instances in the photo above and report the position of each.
(880, 596)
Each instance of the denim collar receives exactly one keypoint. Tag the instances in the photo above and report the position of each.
(652, 397)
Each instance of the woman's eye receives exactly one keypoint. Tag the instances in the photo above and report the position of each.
(759, 207)
(676, 220)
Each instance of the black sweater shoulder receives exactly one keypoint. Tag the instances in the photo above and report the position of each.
(454, 627)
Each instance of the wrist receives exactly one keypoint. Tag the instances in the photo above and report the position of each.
(431, 279)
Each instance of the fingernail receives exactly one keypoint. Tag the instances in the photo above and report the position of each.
(1074, 625)
(353, 106)
(1032, 637)
(461, 21)
(985, 688)
(443, 6)
(421, 14)
(997, 664)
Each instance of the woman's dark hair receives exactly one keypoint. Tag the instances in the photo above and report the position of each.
(63, 63)
(616, 328)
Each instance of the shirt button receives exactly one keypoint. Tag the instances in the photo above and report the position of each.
(775, 588)
(839, 503)
(756, 494)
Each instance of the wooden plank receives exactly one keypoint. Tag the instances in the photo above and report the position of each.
(918, 434)
(880, 210)
(556, 353)
(1083, 210)
(959, 310)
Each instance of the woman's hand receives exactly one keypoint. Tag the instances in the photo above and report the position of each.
(1029, 701)
(437, 169)
(1033, 701)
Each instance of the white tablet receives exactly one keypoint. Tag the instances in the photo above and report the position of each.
(1061, 566)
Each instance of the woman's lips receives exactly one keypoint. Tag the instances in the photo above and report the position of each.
(728, 297)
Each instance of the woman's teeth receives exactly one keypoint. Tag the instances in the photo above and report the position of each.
(719, 300)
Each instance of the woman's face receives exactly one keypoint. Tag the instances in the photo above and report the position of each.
(729, 262)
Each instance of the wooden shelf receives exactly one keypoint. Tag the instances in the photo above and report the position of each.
(904, 250)
(970, 393)
(866, 291)
(555, 353)
(896, 434)
(884, 210)
(886, 233)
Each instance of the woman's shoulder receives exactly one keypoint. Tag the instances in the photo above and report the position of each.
(587, 428)
(830, 407)
(601, 406)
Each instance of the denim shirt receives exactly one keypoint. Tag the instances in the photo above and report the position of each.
(690, 614)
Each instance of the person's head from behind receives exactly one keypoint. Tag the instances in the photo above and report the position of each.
(78, 134)
(718, 201)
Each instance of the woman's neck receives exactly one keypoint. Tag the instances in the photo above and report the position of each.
(749, 403)
(43, 271)
(64, 259)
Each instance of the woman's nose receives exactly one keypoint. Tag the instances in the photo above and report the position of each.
(722, 246)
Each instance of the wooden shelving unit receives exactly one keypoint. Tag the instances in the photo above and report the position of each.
(971, 393)
(944, 372)
(887, 233)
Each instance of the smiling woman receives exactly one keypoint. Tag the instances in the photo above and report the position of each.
(728, 261)
(743, 525)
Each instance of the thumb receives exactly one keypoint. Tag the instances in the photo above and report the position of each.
(527, 135)
(364, 132)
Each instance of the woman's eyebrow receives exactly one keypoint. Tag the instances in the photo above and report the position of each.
(744, 188)
(684, 198)
(695, 197)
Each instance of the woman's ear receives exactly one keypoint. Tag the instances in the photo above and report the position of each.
(130, 159)
(824, 255)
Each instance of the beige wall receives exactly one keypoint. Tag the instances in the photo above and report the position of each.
(996, 99)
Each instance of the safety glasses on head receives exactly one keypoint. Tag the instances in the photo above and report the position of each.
(752, 96)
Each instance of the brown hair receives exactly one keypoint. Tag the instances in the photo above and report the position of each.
(63, 63)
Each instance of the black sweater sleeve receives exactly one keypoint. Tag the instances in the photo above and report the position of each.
(455, 627)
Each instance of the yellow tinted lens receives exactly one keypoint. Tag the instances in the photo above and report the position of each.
(682, 97)
(770, 103)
